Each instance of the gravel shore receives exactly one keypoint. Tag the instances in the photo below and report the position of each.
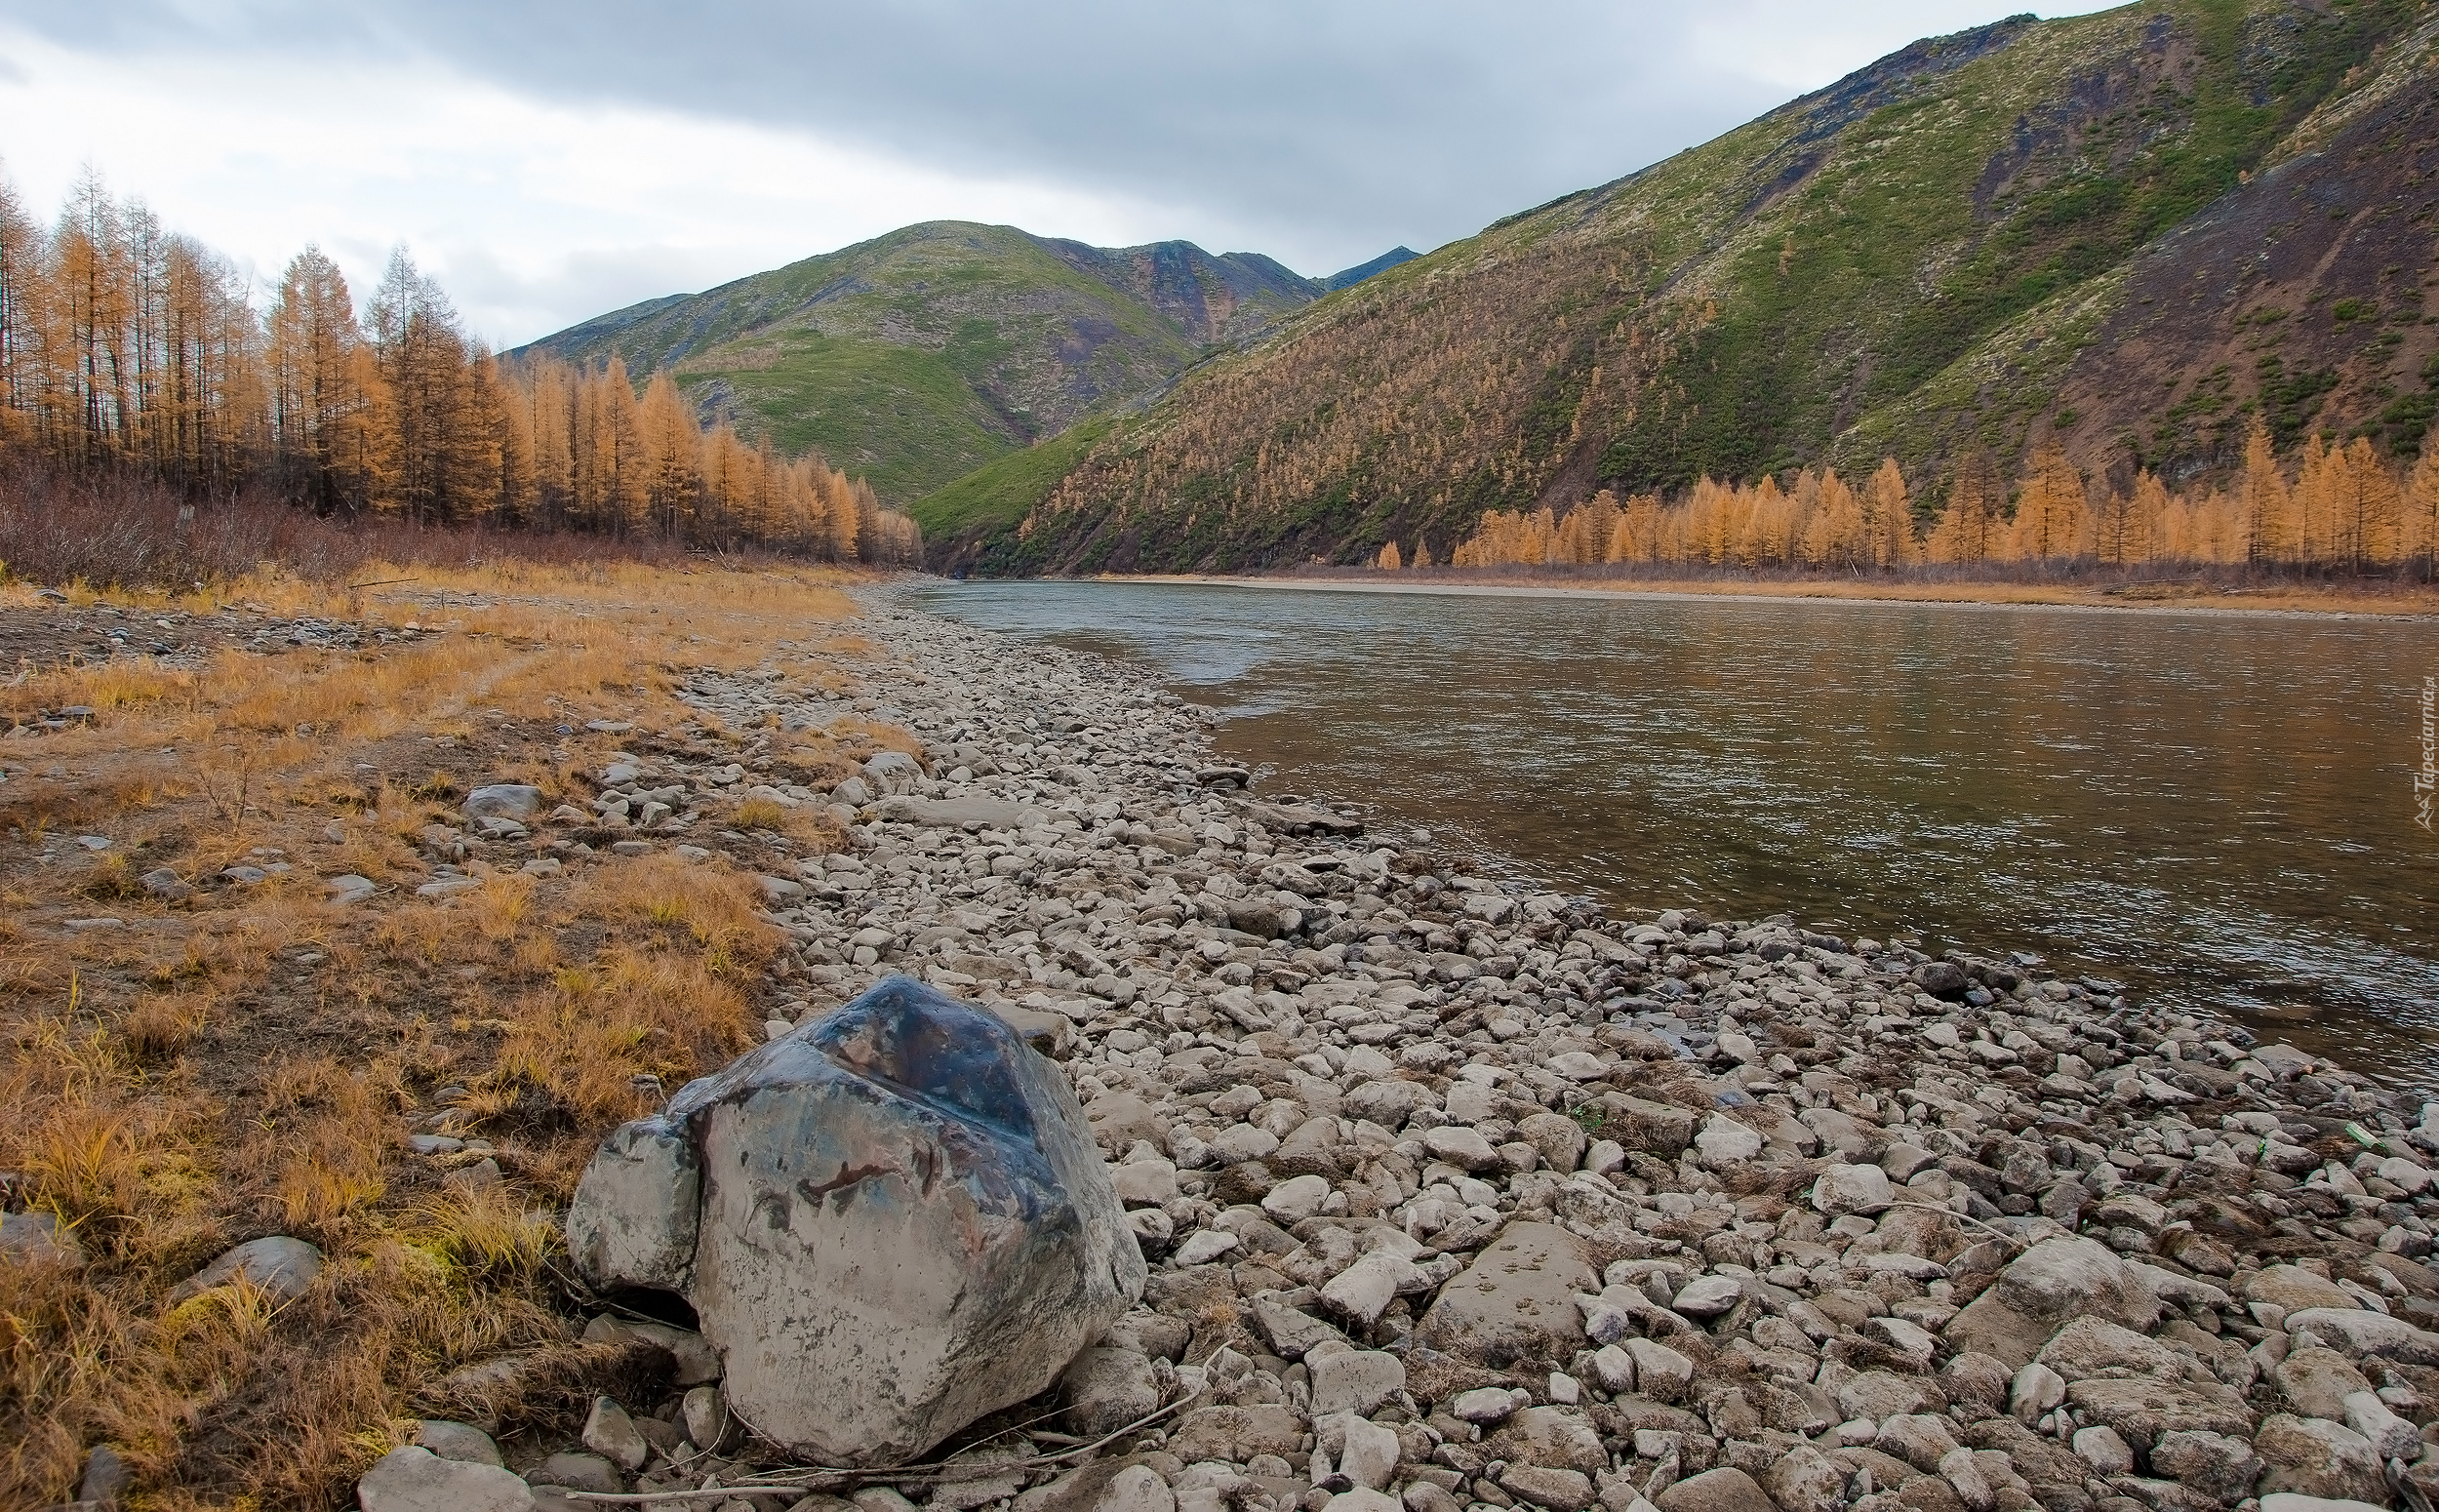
(1458, 1193)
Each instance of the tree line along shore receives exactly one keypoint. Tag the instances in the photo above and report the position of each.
(134, 351)
(2342, 511)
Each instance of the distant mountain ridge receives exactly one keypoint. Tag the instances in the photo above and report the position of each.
(2129, 231)
(1352, 276)
(923, 354)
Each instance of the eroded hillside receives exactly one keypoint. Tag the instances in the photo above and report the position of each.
(1947, 250)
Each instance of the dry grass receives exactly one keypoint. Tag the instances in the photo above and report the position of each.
(887, 738)
(809, 827)
(761, 814)
(251, 1062)
(126, 532)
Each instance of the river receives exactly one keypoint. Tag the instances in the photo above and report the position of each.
(2214, 809)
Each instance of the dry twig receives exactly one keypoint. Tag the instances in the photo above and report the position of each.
(811, 1477)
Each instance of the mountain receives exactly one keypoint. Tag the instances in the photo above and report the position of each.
(2126, 230)
(919, 356)
(1362, 271)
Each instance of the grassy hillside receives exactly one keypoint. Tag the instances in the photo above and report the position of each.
(969, 523)
(917, 357)
(1940, 253)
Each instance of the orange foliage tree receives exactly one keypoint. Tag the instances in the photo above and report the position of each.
(2343, 511)
(123, 345)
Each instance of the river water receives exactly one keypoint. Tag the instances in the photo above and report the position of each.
(2212, 809)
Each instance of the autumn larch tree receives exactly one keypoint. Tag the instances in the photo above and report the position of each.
(127, 345)
(2051, 514)
(1889, 518)
(2422, 508)
(21, 314)
(318, 403)
(2265, 500)
(1968, 528)
(1835, 537)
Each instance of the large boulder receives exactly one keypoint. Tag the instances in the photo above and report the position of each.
(2143, 1411)
(890, 1222)
(2048, 1286)
(2091, 1347)
(2315, 1382)
(1558, 1437)
(2295, 1289)
(2316, 1458)
(1237, 1432)
(1724, 1490)
(1516, 1301)
(2361, 1332)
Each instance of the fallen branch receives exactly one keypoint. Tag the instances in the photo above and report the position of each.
(813, 1477)
(2002, 1235)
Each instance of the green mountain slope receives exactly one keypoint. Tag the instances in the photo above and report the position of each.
(1955, 248)
(921, 355)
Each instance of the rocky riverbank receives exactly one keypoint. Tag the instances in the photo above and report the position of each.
(1457, 1193)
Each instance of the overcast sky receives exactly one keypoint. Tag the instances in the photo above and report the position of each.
(551, 159)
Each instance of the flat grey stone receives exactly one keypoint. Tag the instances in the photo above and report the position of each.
(1516, 1300)
(38, 1236)
(1354, 1380)
(575, 1471)
(281, 1266)
(457, 1441)
(504, 801)
(958, 813)
(416, 1479)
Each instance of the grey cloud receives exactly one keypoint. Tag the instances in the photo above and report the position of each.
(1319, 132)
(506, 307)
(1331, 132)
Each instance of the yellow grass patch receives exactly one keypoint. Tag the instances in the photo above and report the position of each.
(250, 1060)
